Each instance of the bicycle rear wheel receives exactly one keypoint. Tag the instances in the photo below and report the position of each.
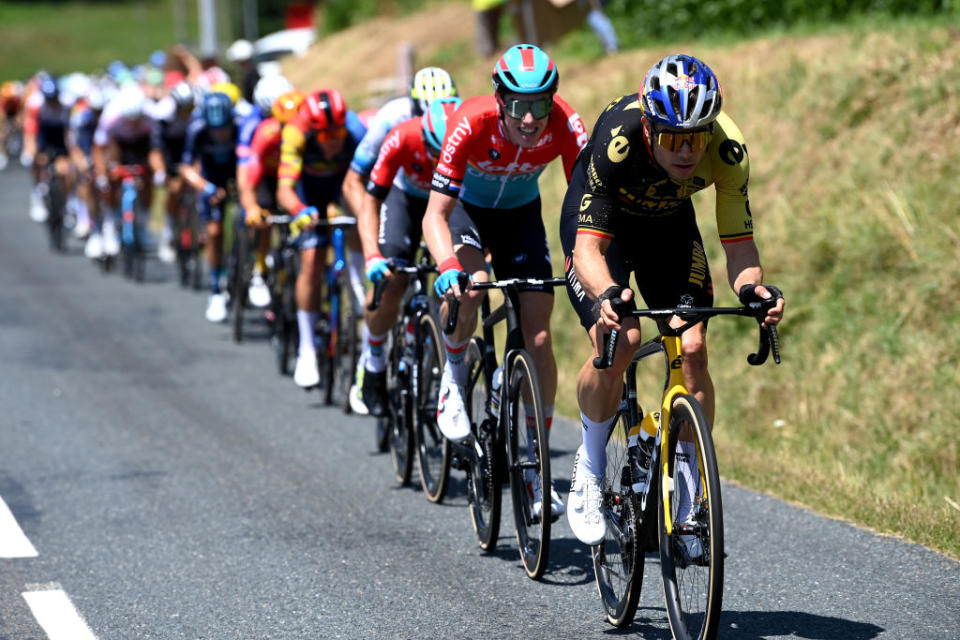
(433, 450)
(618, 559)
(483, 481)
(529, 464)
(691, 557)
(401, 411)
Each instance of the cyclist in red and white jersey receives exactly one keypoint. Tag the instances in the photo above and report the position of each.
(486, 197)
(390, 224)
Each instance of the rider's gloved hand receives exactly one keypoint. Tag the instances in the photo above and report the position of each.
(306, 217)
(377, 268)
(753, 293)
(102, 182)
(159, 177)
(26, 160)
(254, 216)
(749, 293)
(618, 307)
(450, 270)
(209, 190)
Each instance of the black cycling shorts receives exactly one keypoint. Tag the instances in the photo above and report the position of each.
(401, 226)
(664, 253)
(516, 238)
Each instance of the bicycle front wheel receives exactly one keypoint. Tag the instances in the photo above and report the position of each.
(483, 481)
(691, 556)
(529, 465)
(618, 559)
(433, 450)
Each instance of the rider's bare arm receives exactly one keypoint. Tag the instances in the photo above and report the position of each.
(436, 226)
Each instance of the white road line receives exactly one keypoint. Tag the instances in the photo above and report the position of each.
(57, 615)
(13, 542)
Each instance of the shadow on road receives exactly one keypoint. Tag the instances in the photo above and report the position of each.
(651, 623)
(758, 625)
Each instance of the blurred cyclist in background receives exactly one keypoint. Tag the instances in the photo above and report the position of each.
(318, 144)
(208, 165)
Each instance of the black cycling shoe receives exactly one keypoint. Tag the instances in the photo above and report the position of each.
(374, 393)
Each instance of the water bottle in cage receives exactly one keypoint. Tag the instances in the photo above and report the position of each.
(495, 391)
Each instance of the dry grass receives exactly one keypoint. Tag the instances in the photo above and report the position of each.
(853, 138)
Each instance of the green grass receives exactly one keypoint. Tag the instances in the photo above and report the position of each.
(83, 36)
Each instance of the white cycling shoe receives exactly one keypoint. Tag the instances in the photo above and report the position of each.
(166, 253)
(111, 241)
(38, 212)
(451, 412)
(307, 374)
(259, 292)
(584, 506)
(94, 247)
(217, 307)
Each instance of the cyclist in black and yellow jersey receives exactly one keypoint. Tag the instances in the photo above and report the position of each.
(628, 209)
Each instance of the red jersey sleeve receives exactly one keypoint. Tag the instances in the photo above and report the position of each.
(569, 129)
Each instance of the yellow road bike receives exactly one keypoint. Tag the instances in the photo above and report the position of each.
(662, 487)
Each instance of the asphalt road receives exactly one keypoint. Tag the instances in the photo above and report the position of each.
(172, 485)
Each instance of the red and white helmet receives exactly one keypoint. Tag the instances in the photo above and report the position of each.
(325, 109)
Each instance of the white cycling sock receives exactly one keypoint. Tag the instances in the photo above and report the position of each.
(595, 434)
(456, 362)
(686, 478)
(374, 351)
(306, 321)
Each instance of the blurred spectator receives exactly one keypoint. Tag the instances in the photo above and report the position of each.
(601, 24)
(488, 14)
(240, 54)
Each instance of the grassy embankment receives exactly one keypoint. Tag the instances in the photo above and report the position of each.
(82, 36)
(853, 135)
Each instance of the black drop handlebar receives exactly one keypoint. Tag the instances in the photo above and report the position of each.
(769, 338)
(381, 284)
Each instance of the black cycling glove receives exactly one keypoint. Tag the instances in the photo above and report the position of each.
(748, 293)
